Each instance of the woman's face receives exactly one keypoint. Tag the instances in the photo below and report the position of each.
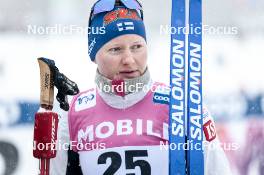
(123, 57)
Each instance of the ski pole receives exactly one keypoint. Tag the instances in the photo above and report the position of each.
(46, 121)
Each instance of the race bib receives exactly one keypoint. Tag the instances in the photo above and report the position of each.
(132, 160)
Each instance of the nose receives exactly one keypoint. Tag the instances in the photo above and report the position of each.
(127, 57)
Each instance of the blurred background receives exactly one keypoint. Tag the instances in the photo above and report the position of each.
(233, 63)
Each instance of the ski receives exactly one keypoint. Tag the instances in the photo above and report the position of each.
(185, 123)
(195, 156)
(177, 157)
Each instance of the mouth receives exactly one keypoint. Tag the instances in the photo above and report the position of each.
(129, 73)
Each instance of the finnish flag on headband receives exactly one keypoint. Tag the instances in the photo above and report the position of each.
(125, 26)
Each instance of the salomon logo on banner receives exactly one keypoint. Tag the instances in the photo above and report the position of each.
(125, 26)
(161, 98)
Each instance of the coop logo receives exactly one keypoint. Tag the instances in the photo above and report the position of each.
(195, 95)
(86, 100)
(161, 98)
(177, 88)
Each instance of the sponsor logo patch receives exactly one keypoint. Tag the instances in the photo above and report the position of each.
(86, 100)
(209, 131)
(161, 98)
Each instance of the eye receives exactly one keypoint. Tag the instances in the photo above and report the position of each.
(136, 46)
(115, 49)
